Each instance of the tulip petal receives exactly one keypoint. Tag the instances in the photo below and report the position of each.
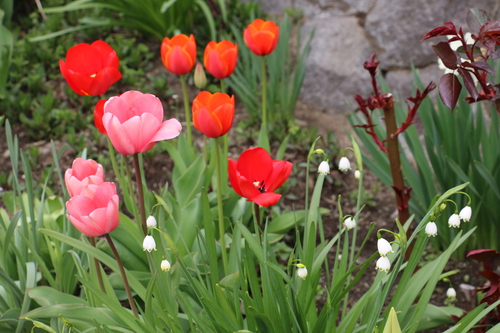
(264, 41)
(255, 164)
(215, 65)
(141, 130)
(169, 129)
(108, 55)
(104, 193)
(85, 226)
(225, 115)
(234, 175)
(80, 205)
(281, 172)
(104, 79)
(207, 123)
(248, 188)
(266, 199)
(178, 61)
(85, 59)
(117, 134)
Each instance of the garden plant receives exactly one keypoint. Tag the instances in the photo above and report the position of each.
(99, 249)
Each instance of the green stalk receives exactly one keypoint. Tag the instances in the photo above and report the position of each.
(219, 204)
(124, 276)
(222, 86)
(187, 110)
(97, 267)
(263, 140)
(140, 192)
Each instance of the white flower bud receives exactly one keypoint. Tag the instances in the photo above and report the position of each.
(431, 229)
(384, 247)
(451, 293)
(357, 174)
(149, 244)
(324, 168)
(151, 222)
(383, 264)
(454, 221)
(344, 164)
(465, 214)
(165, 265)
(302, 272)
(349, 223)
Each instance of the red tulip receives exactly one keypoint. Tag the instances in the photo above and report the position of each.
(261, 36)
(134, 122)
(83, 173)
(213, 115)
(98, 113)
(179, 54)
(255, 176)
(220, 58)
(90, 69)
(94, 211)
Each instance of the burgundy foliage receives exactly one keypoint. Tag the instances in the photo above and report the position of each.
(469, 60)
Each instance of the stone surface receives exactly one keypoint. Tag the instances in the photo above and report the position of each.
(348, 31)
(333, 74)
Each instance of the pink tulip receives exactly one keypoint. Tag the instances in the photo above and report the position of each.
(134, 122)
(94, 212)
(83, 173)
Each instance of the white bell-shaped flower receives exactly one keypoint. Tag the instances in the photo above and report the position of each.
(431, 229)
(149, 244)
(383, 264)
(324, 168)
(451, 293)
(151, 222)
(349, 223)
(165, 265)
(384, 247)
(301, 272)
(344, 164)
(454, 221)
(465, 214)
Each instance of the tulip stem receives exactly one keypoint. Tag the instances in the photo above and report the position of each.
(219, 204)
(187, 110)
(97, 267)
(140, 192)
(263, 140)
(222, 86)
(124, 276)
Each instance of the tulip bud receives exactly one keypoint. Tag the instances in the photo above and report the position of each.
(349, 223)
(151, 222)
(344, 164)
(431, 229)
(383, 264)
(465, 214)
(454, 221)
(324, 168)
(301, 271)
(384, 247)
(200, 78)
(149, 244)
(165, 265)
(357, 174)
(451, 293)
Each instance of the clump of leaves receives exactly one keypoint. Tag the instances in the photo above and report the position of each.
(469, 60)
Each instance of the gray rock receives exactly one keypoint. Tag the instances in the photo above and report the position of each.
(335, 67)
(402, 82)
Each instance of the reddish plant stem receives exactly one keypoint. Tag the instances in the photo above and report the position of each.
(402, 192)
(124, 276)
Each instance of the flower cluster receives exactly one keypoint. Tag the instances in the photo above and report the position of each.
(93, 207)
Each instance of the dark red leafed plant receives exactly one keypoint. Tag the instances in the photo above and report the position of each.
(390, 144)
(469, 60)
(491, 290)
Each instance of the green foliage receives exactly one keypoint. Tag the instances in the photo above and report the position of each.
(6, 43)
(456, 147)
(286, 71)
(155, 18)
